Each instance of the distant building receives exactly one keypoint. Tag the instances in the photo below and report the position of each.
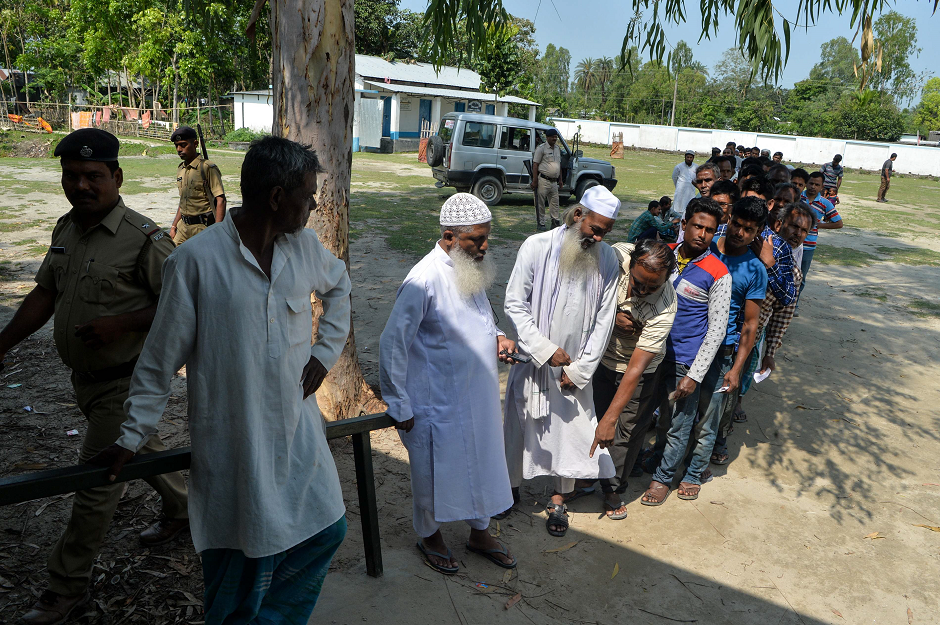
(393, 101)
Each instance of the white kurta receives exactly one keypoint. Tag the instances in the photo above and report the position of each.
(437, 363)
(559, 443)
(682, 177)
(262, 477)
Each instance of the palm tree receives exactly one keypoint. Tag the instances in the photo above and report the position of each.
(585, 75)
(604, 69)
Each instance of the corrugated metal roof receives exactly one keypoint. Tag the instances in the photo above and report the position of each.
(449, 93)
(402, 71)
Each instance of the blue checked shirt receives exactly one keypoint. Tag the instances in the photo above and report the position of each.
(780, 276)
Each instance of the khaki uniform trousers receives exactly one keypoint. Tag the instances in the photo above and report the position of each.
(546, 195)
(883, 189)
(70, 564)
(187, 231)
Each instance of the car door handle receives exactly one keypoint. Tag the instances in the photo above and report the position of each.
(503, 157)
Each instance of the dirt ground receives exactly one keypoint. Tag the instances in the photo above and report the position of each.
(828, 513)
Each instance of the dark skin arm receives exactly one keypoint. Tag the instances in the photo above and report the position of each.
(607, 426)
(748, 337)
(219, 209)
(102, 331)
(34, 312)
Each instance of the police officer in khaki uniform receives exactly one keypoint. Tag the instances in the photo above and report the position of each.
(202, 198)
(101, 278)
(546, 179)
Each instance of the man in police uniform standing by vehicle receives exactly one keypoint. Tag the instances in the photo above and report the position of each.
(202, 198)
(101, 278)
(546, 179)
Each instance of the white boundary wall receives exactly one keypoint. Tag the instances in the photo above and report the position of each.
(912, 159)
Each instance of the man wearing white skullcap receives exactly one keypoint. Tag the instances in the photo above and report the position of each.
(683, 177)
(437, 369)
(562, 299)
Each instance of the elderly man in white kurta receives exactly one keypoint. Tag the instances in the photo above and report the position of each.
(437, 369)
(562, 300)
(683, 175)
(265, 503)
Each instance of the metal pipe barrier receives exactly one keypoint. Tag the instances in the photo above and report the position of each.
(29, 486)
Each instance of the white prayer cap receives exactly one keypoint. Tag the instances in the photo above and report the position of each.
(599, 200)
(464, 209)
(692, 152)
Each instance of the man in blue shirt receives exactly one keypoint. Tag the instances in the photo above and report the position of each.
(721, 383)
(827, 218)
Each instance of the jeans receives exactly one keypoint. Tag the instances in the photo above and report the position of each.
(712, 406)
(632, 424)
(804, 266)
(675, 422)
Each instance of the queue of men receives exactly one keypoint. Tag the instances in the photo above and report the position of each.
(612, 341)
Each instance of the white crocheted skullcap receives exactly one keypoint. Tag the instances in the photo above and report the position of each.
(464, 209)
(600, 200)
(692, 152)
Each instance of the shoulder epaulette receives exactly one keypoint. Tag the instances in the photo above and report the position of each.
(151, 230)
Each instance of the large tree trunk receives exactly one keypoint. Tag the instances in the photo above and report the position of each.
(313, 74)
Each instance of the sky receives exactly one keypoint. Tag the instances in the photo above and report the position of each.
(600, 33)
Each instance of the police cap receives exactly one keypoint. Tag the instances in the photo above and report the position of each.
(184, 133)
(551, 132)
(89, 144)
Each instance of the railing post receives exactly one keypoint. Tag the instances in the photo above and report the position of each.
(368, 508)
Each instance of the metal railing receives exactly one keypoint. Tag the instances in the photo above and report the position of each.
(41, 484)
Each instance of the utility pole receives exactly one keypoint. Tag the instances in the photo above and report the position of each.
(675, 90)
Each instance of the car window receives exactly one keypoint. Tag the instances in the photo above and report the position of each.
(478, 134)
(560, 144)
(516, 139)
(446, 131)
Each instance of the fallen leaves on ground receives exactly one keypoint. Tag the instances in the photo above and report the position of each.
(875, 536)
(616, 570)
(910, 616)
(515, 599)
(837, 613)
(932, 528)
(565, 548)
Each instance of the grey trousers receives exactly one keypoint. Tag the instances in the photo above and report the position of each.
(546, 196)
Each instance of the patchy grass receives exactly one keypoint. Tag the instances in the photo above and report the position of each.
(835, 255)
(924, 308)
(18, 225)
(872, 294)
(911, 255)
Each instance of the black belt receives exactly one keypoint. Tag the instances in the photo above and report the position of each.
(549, 179)
(207, 218)
(110, 374)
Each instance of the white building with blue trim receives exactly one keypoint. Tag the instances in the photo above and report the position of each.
(394, 100)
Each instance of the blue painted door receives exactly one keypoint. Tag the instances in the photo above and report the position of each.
(424, 113)
(491, 109)
(386, 117)
(460, 107)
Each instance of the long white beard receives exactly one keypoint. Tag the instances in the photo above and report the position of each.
(575, 261)
(472, 276)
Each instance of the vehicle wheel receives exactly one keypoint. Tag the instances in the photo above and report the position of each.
(564, 199)
(435, 151)
(489, 189)
(583, 186)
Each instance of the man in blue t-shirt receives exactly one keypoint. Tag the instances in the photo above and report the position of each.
(721, 383)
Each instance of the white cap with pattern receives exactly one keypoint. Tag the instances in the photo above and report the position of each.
(600, 200)
(464, 209)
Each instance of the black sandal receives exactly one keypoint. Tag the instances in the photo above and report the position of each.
(557, 516)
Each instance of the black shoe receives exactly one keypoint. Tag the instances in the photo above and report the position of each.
(555, 223)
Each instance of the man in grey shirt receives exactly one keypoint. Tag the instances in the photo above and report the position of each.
(546, 179)
(887, 168)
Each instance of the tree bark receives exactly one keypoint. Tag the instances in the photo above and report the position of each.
(313, 75)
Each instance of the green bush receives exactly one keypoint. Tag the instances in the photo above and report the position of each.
(244, 134)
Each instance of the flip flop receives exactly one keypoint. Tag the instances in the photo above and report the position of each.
(557, 515)
(616, 516)
(655, 503)
(489, 554)
(689, 486)
(739, 416)
(446, 570)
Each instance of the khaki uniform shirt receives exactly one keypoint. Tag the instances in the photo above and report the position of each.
(193, 198)
(549, 160)
(656, 312)
(111, 269)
